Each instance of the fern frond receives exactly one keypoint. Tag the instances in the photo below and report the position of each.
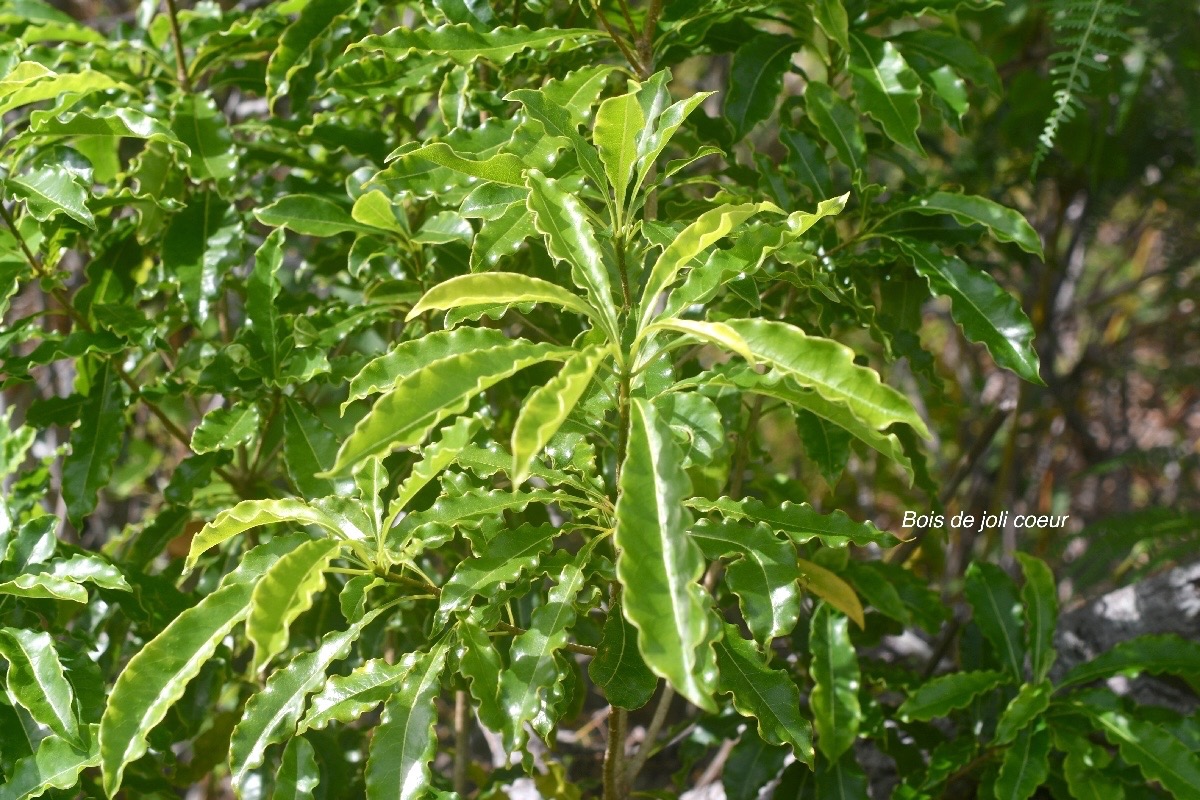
(1087, 33)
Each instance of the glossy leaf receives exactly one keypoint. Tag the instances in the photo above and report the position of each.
(834, 670)
(837, 123)
(986, 312)
(201, 126)
(755, 79)
(768, 695)
(1025, 765)
(405, 741)
(434, 458)
(1029, 704)
(1003, 223)
(480, 664)
(345, 698)
(308, 449)
(108, 122)
(717, 333)
(462, 43)
(940, 696)
(50, 189)
(36, 680)
(1156, 753)
(299, 42)
(832, 589)
(1040, 597)
(298, 774)
(251, 514)
(95, 443)
(283, 593)
(1156, 654)
(997, 612)
(311, 215)
(56, 764)
(497, 288)
(887, 88)
(272, 714)
(226, 428)
(508, 555)
(618, 668)
(763, 575)
(832, 17)
(558, 122)
(618, 123)
(659, 566)
(503, 168)
(799, 521)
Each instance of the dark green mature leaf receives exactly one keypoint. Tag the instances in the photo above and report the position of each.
(1031, 701)
(807, 162)
(435, 458)
(50, 189)
(887, 88)
(842, 779)
(943, 47)
(834, 670)
(658, 564)
(419, 401)
(997, 612)
(157, 675)
(837, 123)
(940, 696)
(1002, 222)
(226, 428)
(56, 764)
(405, 741)
(200, 242)
(298, 773)
(308, 449)
(1025, 765)
(508, 555)
(1040, 596)
(986, 312)
(463, 44)
(271, 715)
(1084, 768)
(752, 764)
(825, 443)
(618, 668)
(558, 122)
(755, 78)
(764, 575)
(768, 695)
(284, 592)
(262, 286)
(1160, 756)
(1157, 654)
(36, 680)
(501, 236)
(299, 42)
(799, 521)
(95, 443)
(480, 664)
(201, 126)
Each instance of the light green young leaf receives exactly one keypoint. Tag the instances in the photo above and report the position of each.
(311, 215)
(226, 428)
(578, 90)
(31, 82)
(498, 288)
(201, 126)
(1032, 699)
(828, 367)
(768, 695)
(508, 555)
(997, 612)
(42, 586)
(618, 668)
(1025, 766)
(755, 79)
(272, 713)
(986, 312)
(106, 121)
(298, 773)
(434, 458)
(658, 564)
(503, 168)
(657, 136)
(1002, 222)
(405, 740)
(717, 333)
(549, 405)
(502, 236)
(157, 675)
(463, 44)
(834, 669)
(887, 88)
(940, 696)
(55, 765)
(831, 16)
(283, 593)
(764, 575)
(251, 514)
(49, 189)
(562, 219)
(36, 680)
(618, 123)
(1040, 596)
(404, 416)
(345, 698)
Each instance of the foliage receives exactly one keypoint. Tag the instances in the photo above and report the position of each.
(416, 368)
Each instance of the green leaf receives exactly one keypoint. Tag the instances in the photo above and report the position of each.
(717, 333)
(199, 245)
(385, 371)
(658, 564)
(1157, 654)
(404, 416)
(44, 587)
(827, 445)
(751, 766)
(201, 126)
(157, 675)
(768, 695)
(308, 449)
(272, 714)
(31, 82)
(834, 670)
(298, 773)
(1084, 768)
(262, 286)
(49, 189)
(558, 122)
(764, 575)
(808, 163)
(283, 593)
(887, 88)
(618, 668)
(831, 16)
(498, 288)
(55, 765)
(502, 236)
(106, 121)
(479, 663)
(986, 312)
(940, 696)
(1002, 222)
(618, 124)
(406, 738)
(1160, 756)
(549, 405)
(462, 43)
(95, 443)
(345, 698)
(509, 554)
(755, 80)
(299, 43)
(226, 428)
(36, 680)
(503, 168)
(1040, 596)
(311, 215)
(1025, 766)
(578, 90)
(799, 521)
(837, 123)
(841, 780)
(997, 612)
(1031, 701)
(959, 52)
(832, 589)
(828, 367)
(434, 459)
(527, 685)
(253, 513)
(697, 237)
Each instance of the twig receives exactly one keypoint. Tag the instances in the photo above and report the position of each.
(462, 735)
(177, 40)
(656, 723)
(617, 40)
(646, 42)
(614, 756)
